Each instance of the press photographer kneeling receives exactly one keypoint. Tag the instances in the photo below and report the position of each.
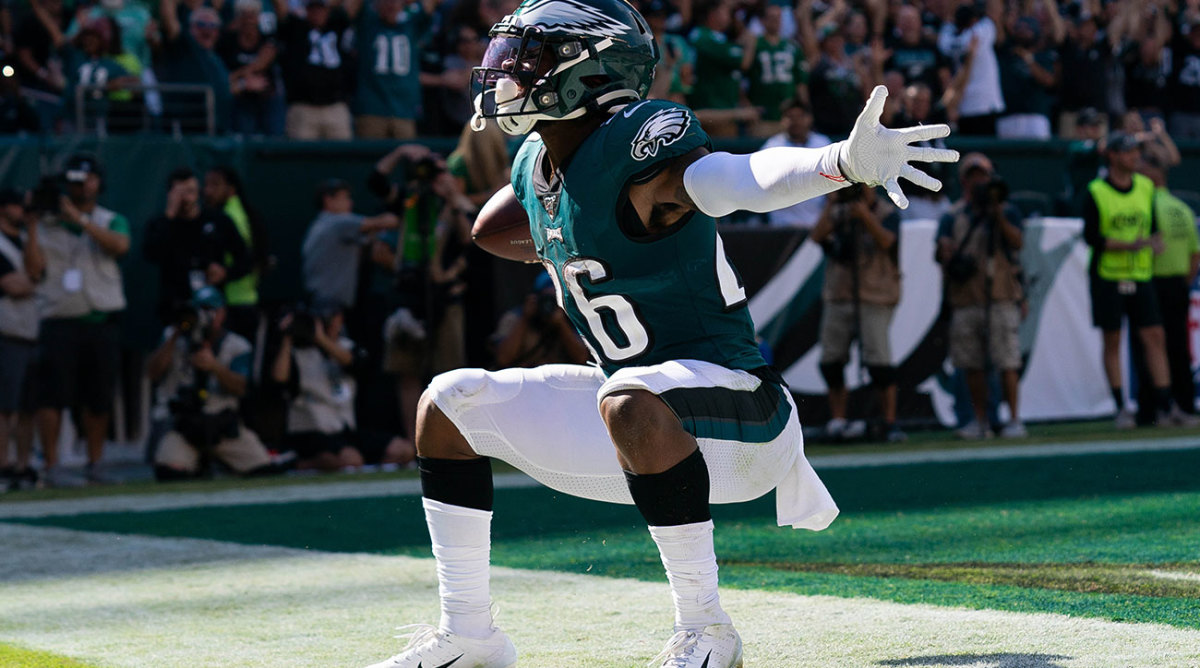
(859, 233)
(201, 371)
(978, 244)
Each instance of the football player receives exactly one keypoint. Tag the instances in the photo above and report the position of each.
(621, 194)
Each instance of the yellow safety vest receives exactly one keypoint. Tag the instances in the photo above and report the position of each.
(1125, 217)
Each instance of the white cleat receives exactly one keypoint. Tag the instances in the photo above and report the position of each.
(430, 647)
(714, 646)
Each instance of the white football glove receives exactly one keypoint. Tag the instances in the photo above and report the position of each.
(876, 155)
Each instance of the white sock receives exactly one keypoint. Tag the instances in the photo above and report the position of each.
(462, 541)
(691, 564)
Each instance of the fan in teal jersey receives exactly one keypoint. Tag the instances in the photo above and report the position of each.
(387, 38)
(622, 194)
(777, 73)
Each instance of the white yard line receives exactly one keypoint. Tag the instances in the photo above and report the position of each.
(143, 604)
(302, 491)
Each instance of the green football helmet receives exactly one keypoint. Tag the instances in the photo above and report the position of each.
(559, 59)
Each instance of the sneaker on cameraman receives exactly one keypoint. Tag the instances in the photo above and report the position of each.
(1177, 417)
(95, 474)
(430, 647)
(1014, 429)
(1126, 419)
(835, 428)
(55, 476)
(974, 431)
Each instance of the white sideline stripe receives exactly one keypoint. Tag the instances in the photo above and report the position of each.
(1169, 575)
(987, 453)
(411, 487)
(272, 607)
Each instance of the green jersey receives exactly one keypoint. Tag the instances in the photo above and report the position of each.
(718, 70)
(637, 299)
(776, 70)
(388, 63)
(1177, 224)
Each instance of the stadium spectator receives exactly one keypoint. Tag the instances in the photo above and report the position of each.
(776, 75)
(314, 363)
(918, 108)
(1147, 74)
(37, 62)
(251, 56)
(1120, 226)
(333, 246)
(188, 57)
(978, 243)
(89, 65)
(21, 269)
(1087, 56)
(193, 245)
(797, 120)
(316, 70)
(837, 85)
(133, 21)
(860, 235)
(1184, 119)
(201, 371)
(537, 332)
(449, 91)
(1174, 271)
(80, 300)
(915, 55)
(1153, 141)
(480, 163)
(973, 35)
(387, 37)
(720, 64)
(1085, 157)
(17, 115)
(425, 334)
(1029, 76)
(674, 74)
(223, 191)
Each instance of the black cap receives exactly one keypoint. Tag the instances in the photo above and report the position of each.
(79, 166)
(11, 196)
(1120, 142)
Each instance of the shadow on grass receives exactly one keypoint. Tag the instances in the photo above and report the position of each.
(982, 660)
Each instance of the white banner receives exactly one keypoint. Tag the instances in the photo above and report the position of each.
(1063, 377)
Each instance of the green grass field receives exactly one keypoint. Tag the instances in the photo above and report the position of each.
(1071, 560)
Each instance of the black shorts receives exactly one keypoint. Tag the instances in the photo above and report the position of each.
(78, 364)
(1109, 305)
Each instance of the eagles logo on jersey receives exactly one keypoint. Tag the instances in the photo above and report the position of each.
(663, 128)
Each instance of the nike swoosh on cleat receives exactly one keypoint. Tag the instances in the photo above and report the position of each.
(703, 665)
(453, 661)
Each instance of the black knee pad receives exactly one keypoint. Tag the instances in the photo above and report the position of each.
(882, 375)
(832, 373)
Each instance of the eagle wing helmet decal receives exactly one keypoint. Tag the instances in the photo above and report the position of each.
(663, 128)
(569, 16)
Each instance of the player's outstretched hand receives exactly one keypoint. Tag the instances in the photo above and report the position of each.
(876, 155)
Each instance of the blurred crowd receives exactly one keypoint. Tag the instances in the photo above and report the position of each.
(335, 69)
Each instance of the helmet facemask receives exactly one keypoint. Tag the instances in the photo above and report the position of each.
(519, 82)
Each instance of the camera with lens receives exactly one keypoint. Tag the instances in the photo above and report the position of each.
(194, 325)
(841, 244)
(426, 170)
(990, 193)
(302, 328)
(46, 196)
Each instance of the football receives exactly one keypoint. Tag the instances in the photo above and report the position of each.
(502, 228)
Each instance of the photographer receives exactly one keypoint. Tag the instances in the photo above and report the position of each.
(201, 372)
(977, 245)
(192, 244)
(1120, 225)
(21, 268)
(80, 301)
(314, 363)
(537, 332)
(425, 334)
(859, 234)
